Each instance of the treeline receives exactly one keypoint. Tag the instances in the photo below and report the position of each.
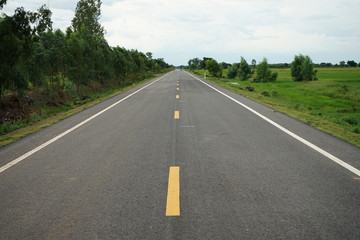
(302, 69)
(33, 55)
(341, 64)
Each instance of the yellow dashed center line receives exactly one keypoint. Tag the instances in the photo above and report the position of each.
(173, 195)
(178, 89)
(177, 96)
(176, 114)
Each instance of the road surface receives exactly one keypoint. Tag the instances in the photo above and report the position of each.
(177, 159)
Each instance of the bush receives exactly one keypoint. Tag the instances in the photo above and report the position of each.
(69, 88)
(244, 70)
(265, 93)
(302, 69)
(263, 72)
(214, 68)
(356, 130)
(350, 120)
(232, 72)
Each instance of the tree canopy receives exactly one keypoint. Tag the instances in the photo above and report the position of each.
(302, 68)
(33, 55)
(87, 13)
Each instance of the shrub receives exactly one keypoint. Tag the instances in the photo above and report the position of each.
(302, 69)
(233, 71)
(350, 120)
(214, 68)
(69, 88)
(263, 72)
(244, 70)
(265, 93)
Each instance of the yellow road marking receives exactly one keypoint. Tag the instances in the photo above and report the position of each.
(356, 178)
(177, 96)
(178, 89)
(173, 195)
(176, 114)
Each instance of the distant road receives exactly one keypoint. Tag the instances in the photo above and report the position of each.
(179, 158)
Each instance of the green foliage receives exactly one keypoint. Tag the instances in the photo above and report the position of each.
(87, 13)
(213, 67)
(233, 71)
(17, 34)
(32, 55)
(204, 62)
(351, 63)
(2, 3)
(69, 88)
(263, 72)
(265, 93)
(244, 70)
(194, 63)
(350, 120)
(302, 68)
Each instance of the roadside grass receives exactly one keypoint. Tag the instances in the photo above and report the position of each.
(331, 104)
(48, 116)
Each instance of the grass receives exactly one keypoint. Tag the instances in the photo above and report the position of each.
(331, 104)
(20, 129)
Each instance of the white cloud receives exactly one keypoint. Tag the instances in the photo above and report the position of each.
(327, 30)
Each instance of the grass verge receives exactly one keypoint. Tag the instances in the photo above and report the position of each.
(331, 104)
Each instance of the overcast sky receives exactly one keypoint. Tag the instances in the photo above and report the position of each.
(178, 30)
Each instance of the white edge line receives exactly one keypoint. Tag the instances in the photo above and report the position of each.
(31, 152)
(309, 144)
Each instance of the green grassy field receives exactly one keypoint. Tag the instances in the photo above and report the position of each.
(331, 104)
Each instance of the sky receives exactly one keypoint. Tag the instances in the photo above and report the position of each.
(179, 30)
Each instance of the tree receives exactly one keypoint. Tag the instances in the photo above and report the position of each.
(225, 65)
(302, 68)
(263, 73)
(194, 63)
(2, 3)
(351, 63)
(204, 62)
(244, 70)
(342, 63)
(233, 71)
(17, 34)
(253, 63)
(149, 55)
(213, 67)
(87, 13)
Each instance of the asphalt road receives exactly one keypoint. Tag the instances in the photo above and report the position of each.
(240, 177)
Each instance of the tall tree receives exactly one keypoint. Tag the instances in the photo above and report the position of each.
(17, 33)
(87, 13)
